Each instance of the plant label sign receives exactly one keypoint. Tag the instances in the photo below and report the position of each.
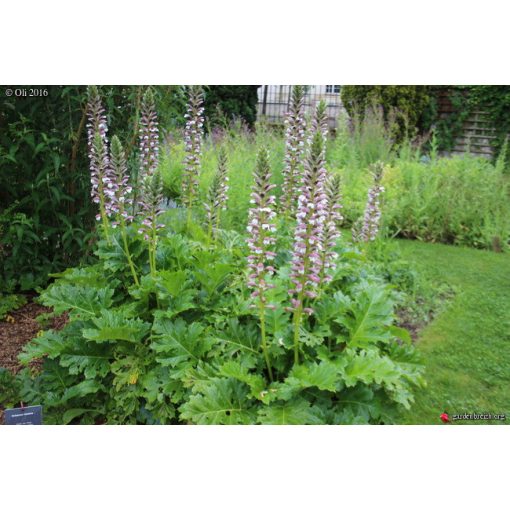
(23, 416)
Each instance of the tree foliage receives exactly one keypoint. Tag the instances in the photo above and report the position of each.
(226, 103)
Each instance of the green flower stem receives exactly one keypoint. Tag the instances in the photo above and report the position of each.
(102, 210)
(262, 315)
(218, 220)
(188, 221)
(152, 250)
(298, 314)
(126, 249)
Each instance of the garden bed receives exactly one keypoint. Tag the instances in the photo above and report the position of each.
(18, 328)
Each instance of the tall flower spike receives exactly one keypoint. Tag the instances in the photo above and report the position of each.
(372, 216)
(121, 200)
(311, 217)
(151, 186)
(149, 136)
(193, 134)
(261, 229)
(102, 188)
(320, 125)
(218, 194)
(331, 230)
(261, 241)
(150, 203)
(295, 134)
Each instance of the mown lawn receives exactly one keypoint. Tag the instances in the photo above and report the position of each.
(466, 349)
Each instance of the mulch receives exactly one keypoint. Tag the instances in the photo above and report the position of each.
(18, 328)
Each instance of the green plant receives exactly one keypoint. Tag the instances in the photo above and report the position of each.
(197, 339)
(363, 140)
(459, 200)
(185, 345)
(406, 103)
(9, 389)
(10, 302)
(225, 103)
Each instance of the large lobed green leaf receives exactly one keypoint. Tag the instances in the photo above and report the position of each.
(222, 402)
(369, 316)
(114, 325)
(183, 345)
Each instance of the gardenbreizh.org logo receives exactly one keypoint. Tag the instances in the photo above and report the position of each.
(446, 417)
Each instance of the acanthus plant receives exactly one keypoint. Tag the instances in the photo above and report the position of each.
(372, 216)
(261, 229)
(217, 196)
(193, 136)
(205, 337)
(309, 232)
(151, 195)
(295, 144)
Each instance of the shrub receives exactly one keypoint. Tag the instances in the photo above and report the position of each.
(406, 102)
(10, 302)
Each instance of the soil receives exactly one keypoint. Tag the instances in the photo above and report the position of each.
(18, 328)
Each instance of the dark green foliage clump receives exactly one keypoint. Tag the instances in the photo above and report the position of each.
(226, 103)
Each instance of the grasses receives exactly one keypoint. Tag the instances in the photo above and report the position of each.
(467, 348)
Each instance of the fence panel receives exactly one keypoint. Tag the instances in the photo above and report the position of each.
(274, 101)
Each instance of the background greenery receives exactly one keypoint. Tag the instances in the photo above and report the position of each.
(227, 103)
(462, 200)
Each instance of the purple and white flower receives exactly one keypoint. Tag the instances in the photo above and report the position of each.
(295, 138)
(311, 218)
(372, 215)
(193, 134)
(151, 195)
(261, 229)
(122, 197)
(149, 136)
(218, 193)
(331, 231)
(101, 178)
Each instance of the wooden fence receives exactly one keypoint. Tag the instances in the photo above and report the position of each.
(477, 132)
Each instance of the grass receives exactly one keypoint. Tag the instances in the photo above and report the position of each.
(467, 348)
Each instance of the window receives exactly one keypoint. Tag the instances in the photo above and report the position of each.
(332, 89)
